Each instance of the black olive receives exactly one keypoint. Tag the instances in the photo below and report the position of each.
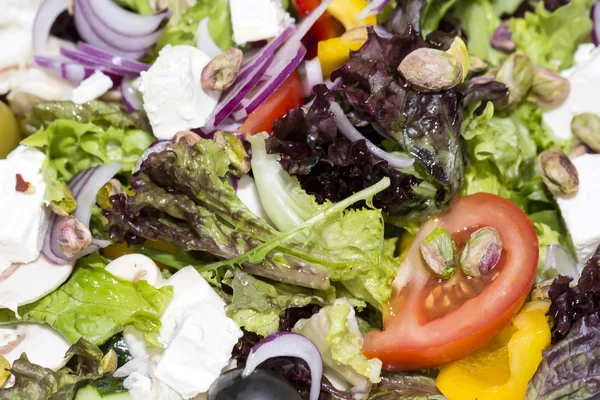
(259, 385)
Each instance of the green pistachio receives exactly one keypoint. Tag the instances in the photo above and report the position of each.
(482, 252)
(517, 74)
(549, 89)
(586, 127)
(458, 49)
(540, 290)
(73, 236)
(190, 137)
(240, 162)
(558, 172)
(438, 251)
(111, 188)
(431, 70)
(221, 71)
(109, 362)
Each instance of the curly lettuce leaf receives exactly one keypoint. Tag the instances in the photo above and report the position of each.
(406, 386)
(257, 305)
(94, 305)
(570, 369)
(335, 332)
(183, 28)
(77, 137)
(33, 382)
(550, 38)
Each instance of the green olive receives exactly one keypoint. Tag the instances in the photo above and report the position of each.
(10, 135)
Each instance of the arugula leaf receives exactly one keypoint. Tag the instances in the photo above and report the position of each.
(550, 38)
(94, 305)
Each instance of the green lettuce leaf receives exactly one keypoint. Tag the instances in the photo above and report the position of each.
(335, 332)
(183, 28)
(550, 38)
(33, 382)
(143, 7)
(546, 236)
(406, 386)
(94, 305)
(77, 137)
(256, 305)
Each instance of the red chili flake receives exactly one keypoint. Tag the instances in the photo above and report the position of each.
(22, 185)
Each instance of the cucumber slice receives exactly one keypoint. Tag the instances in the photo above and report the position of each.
(103, 389)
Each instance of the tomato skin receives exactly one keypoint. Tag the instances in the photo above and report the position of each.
(287, 96)
(408, 340)
(325, 27)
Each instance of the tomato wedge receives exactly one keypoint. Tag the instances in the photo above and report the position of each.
(416, 336)
(287, 96)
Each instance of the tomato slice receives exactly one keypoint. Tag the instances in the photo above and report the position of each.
(324, 28)
(287, 96)
(415, 338)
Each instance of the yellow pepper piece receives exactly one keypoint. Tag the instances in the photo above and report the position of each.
(334, 52)
(346, 12)
(502, 369)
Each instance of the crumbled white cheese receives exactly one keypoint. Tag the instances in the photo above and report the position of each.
(585, 84)
(200, 349)
(24, 216)
(91, 88)
(580, 211)
(257, 20)
(173, 96)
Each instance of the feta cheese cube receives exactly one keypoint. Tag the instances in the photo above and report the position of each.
(257, 20)
(173, 96)
(92, 88)
(580, 211)
(200, 349)
(24, 219)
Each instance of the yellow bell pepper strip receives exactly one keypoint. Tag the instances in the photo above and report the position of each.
(334, 52)
(346, 12)
(502, 369)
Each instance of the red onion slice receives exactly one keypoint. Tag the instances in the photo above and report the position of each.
(265, 51)
(72, 72)
(312, 75)
(374, 7)
(304, 26)
(236, 94)
(44, 18)
(112, 59)
(288, 344)
(346, 127)
(84, 187)
(204, 40)
(90, 61)
(87, 33)
(131, 97)
(280, 69)
(126, 22)
(114, 37)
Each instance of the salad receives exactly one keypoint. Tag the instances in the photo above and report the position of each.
(299, 199)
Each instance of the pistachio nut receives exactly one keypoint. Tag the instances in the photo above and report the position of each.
(438, 252)
(586, 127)
(73, 236)
(458, 49)
(221, 71)
(502, 38)
(190, 137)
(577, 150)
(109, 362)
(517, 74)
(540, 290)
(111, 188)
(481, 253)
(549, 89)
(477, 65)
(239, 164)
(431, 70)
(558, 172)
